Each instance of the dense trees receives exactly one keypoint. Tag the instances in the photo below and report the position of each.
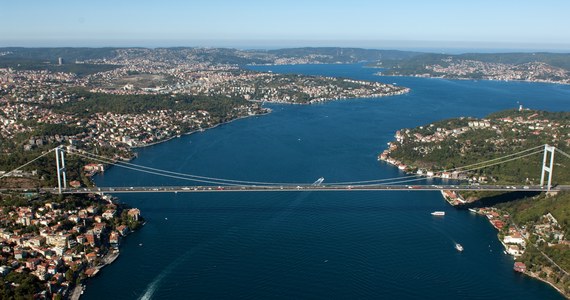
(19, 286)
(531, 209)
(89, 103)
(486, 143)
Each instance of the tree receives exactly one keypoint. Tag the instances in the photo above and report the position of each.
(69, 275)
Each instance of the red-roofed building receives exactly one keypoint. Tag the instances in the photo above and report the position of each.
(519, 267)
(498, 224)
(134, 213)
(123, 230)
(93, 168)
(114, 239)
(91, 272)
(91, 256)
(91, 238)
(75, 184)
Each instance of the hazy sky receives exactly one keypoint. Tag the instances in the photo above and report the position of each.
(368, 23)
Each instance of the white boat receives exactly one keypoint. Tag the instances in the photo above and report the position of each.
(473, 210)
(459, 247)
(438, 213)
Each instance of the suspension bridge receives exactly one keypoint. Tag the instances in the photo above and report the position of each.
(212, 184)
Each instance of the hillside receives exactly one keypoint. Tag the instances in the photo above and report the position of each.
(454, 143)
(534, 67)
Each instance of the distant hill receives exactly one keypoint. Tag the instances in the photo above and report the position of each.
(418, 63)
(345, 55)
(47, 59)
(36, 56)
(395, 61)
(561, 60)
(52, 54)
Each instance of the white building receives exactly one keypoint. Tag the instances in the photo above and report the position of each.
(514, 239)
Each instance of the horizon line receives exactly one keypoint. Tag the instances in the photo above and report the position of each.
(285, 43)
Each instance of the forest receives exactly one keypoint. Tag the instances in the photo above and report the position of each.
(87, 103)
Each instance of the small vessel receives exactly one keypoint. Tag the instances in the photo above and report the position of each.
(438, 213)
(473, 210)
(459, 247)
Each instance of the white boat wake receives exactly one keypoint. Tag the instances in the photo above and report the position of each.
(152, 287)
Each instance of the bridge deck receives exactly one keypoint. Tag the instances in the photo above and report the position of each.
(299, 188)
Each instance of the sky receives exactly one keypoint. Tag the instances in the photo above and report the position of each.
(275, 23)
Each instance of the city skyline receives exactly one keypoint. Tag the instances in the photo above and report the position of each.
(255, 24)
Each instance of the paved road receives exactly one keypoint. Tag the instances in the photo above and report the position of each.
(308, 188)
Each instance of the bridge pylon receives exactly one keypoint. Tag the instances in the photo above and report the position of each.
(547, 168)
(60, 164)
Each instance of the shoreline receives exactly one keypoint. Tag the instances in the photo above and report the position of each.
(404, 91)
(472, 79)
(534, 276)
(459, 201)
(200, 130)
(505, 251)
(109, 258)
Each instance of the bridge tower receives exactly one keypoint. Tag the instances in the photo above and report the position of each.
(547, 150)
(60, 163)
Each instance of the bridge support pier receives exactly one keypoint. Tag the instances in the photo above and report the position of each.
(547, 150)
(60, 163)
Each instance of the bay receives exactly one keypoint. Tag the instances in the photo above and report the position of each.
(317, 245)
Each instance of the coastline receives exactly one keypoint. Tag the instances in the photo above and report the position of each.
(268, 111)
(456, 200)
(535, 276)
(201, 129)
(506, 248)
(110, 257)
(254, 122)
(471, 79)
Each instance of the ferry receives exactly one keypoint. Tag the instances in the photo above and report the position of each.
(459, 247)
(438, 213)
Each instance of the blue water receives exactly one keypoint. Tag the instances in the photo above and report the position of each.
(317, 245)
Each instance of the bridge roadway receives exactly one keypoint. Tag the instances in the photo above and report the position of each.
(307, 188)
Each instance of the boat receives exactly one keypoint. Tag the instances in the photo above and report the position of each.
(473, 210)
(438, 213)
(459, 247)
